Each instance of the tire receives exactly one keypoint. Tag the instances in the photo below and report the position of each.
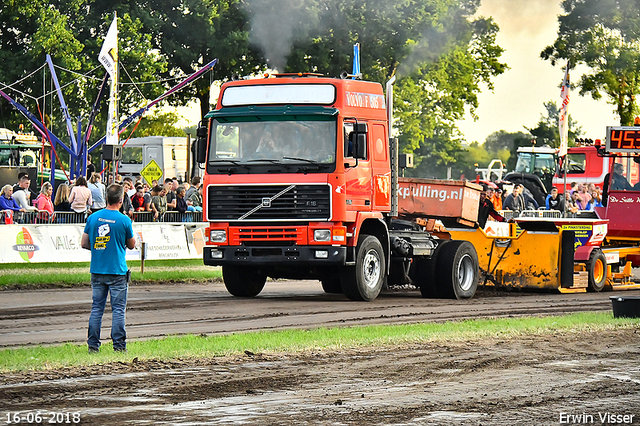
(331, 284)
(423, 276)
(457, 270)
(242, 281)
(597, 269)
(364, 280)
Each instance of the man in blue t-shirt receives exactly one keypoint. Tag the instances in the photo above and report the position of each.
(108, 233)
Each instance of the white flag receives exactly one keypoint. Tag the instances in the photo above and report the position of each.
(109, 59)
(108, 56)
(563, 119)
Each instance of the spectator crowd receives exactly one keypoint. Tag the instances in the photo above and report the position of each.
(582, 197)
(171, 200)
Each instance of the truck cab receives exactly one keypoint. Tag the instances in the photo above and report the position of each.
(297, 168)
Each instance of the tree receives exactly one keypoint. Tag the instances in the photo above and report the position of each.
(72, 33)
(440, 52)
(603, 35)
(160, 42)
(500, 141)
(159, 124)
(441, 55)
(547, 133)
(191, 33)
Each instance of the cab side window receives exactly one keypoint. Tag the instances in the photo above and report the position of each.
(350, 141)
(348, 145)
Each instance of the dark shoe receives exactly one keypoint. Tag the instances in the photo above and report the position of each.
(120, 349)
(93, 350)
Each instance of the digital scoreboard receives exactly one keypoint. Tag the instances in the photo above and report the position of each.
(623, 139)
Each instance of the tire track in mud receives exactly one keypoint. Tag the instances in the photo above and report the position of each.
(50, 316)
(526, 380)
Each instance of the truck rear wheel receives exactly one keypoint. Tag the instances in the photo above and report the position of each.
(242, 281)
(423, 273)
(597, 269)
(457, 261)
(364, 280)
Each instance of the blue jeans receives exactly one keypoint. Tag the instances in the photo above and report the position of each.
(116, 286)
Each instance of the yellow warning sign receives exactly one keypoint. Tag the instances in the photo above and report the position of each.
(151, 171)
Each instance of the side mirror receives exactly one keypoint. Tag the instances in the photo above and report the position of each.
(201, 143)
(361, 146)
(202, 130)
(356, 146)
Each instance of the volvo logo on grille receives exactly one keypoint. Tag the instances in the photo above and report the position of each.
(266, 202)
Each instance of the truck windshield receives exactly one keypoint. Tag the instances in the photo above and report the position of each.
(305, 141)
(538, 163)
(132, 155)
(18, 156)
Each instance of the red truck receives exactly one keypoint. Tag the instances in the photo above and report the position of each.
(301, 182)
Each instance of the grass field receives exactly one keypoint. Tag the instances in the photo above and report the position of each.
(191, 346)
(72, 274)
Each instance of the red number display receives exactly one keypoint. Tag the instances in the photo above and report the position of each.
(623, 139)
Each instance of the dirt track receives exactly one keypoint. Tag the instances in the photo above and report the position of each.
(530, 380)
(61, 315)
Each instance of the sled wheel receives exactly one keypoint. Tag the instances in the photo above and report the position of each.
(597, 269)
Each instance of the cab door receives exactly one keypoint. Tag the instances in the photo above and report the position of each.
(358, 178)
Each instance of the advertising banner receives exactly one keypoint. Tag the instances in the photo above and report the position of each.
(61, 243)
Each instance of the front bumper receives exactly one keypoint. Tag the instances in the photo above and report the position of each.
(296, 255)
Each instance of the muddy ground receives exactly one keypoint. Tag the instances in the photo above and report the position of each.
(530, 380)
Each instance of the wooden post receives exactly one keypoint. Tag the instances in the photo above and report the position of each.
(143, 254)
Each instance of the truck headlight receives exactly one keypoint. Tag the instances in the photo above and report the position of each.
(322, 235)
(218, 236)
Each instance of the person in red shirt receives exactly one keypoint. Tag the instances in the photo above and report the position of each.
(138, 199)
(44, 203)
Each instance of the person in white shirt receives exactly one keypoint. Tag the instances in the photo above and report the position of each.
(23, 195)
(98, 192)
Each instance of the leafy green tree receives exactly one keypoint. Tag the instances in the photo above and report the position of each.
(159, 124)
(547, 133)
(441, 55)
(499, 142)
(191, 33)
(440, 51)
(603, 35)
(160, 42)
(72, 33)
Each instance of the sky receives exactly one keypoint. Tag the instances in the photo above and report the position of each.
(526, 28)
(517, 101)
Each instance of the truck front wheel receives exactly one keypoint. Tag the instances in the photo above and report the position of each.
(457, 261)
(331, 284)
(243, 281)
(364, 280)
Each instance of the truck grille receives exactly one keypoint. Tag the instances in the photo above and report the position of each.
(284, 202)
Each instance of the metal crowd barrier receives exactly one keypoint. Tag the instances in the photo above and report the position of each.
(550, 214)
(173, 216)
(69, 217)
(143, 217)
(169, 216)
(44, 217)
(23, 218)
